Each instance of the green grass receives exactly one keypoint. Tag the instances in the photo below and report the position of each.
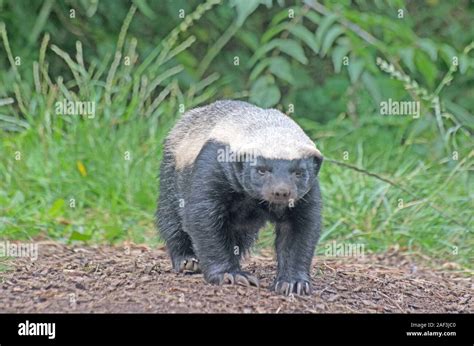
(433, 217)
(45, 193)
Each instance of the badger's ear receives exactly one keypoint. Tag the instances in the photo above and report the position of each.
(318, 161)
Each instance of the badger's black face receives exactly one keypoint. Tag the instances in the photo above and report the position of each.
(279, 182)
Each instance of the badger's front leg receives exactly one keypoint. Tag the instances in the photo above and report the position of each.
(214, 241)
(296, 239)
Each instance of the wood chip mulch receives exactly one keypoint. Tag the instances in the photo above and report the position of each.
(101, 279)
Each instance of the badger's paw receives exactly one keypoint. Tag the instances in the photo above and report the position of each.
(234, 278)
(188, 264)
(298, 287)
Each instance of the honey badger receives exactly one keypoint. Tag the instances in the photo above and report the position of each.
(227, 169)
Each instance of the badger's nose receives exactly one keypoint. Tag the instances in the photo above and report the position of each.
(281, 192)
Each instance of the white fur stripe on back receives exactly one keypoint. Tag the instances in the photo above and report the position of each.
(244, 127)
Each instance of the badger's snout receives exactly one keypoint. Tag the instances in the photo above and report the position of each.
(281, 193)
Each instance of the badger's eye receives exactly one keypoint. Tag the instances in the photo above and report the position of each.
(298, 174)
(262, 171)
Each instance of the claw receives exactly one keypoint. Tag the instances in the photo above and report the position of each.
(299, 288)
(307, 288)
(246, 280)
(193, 265)
(239, 278)
(189, 264)
(228, 279)
(287, 288)
(182, 265)
(253, 280)
(290, 288)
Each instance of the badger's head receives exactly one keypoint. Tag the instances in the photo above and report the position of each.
(279, 182)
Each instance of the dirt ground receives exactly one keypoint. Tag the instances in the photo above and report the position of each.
(138, 279)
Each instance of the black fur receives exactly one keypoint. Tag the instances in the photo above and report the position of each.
(212, 211)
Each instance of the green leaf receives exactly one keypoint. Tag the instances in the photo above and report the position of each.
(273, 31)
(463, 63)
(281, 68)
(426, 67)
(447, 53)
(57, 208)
(461, 114)
(290, 47)
(429, 47)
(355, 68)
(75, 235)
(144, 8)
(372, 86)
(408, 57)
(293, 49)
(250, 39)
(259, 68)
(331, 36)
(90, 7)
(282, 15)
(264, 93)
(306, 36)
(338, 53)
(244, 9)
(313, 16)
(323, 28)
